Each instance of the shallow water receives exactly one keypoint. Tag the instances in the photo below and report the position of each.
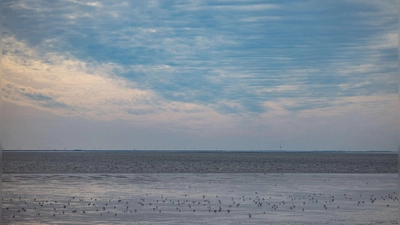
(172, 198)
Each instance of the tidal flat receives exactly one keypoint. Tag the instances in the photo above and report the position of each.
(212, 198)
(128, 187)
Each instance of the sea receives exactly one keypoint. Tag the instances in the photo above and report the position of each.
(202, 187)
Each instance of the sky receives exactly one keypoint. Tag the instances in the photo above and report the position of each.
(225, 75)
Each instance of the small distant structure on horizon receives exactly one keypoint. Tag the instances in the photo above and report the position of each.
(77, 149)
(280, 146)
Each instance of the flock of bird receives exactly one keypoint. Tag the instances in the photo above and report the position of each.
(256, 204)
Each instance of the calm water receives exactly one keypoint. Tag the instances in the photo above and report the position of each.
(200, 198)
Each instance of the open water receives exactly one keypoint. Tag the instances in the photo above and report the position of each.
(197, 162)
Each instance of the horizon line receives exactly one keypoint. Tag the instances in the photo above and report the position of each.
(195, 150)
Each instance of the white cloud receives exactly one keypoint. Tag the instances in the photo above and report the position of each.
(93, 91)
(94, 4)
(356, 85)
(385, 41)
(278, 88)
(261, 18)
(346, 69)
(89, 90)
(380, 106)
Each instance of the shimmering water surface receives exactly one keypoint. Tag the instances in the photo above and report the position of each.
(201, 198)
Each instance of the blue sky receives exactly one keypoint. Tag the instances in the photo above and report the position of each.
(200, 74)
